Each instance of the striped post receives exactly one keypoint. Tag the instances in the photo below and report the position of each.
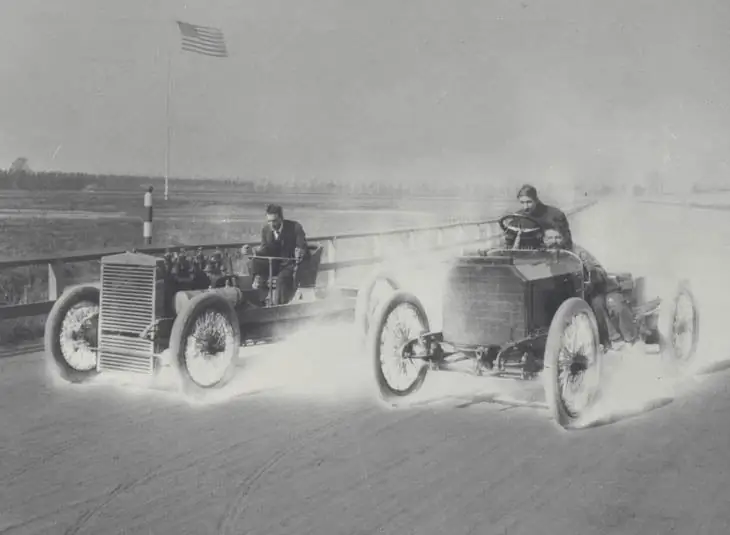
(147, 226)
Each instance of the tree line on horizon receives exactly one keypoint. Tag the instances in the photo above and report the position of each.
(25, 179)
(19, 176)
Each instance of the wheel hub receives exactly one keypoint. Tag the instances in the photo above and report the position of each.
(576, 360)
(209, 349)
(398, 344)
(78, 336)
(579, 364)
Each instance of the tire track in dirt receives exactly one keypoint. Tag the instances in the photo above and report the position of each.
(11, 528)
(33, 465)
(87, 515)
(178, 463)
(60, 448)
(90, 512)
(196, 457)
(237, 506)
(113, 412)
(160, 471)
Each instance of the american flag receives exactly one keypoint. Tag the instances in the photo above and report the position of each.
(203, 40)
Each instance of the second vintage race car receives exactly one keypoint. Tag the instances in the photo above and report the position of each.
(520, 313)
(191, 314)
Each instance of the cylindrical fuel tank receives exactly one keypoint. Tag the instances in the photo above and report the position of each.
(230, 293)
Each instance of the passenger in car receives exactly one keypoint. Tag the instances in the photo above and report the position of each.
(615, 318)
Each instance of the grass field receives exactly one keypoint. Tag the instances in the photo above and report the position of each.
(43, 222)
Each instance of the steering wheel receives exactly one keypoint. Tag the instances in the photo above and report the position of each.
(509, 226)
(532, 230)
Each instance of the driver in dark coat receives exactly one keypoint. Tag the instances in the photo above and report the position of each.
(286, 240)
(548, 216)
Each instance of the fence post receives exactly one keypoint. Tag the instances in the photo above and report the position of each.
(56, 280)
(147, 225)
(331, 257)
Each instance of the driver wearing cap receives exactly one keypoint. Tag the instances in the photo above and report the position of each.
(547, 216)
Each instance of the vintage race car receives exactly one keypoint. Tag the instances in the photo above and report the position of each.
(515, 313)
(189, 313)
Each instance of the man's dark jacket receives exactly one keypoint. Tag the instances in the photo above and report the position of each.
(549, 216)
(291, 237)
(600, 282)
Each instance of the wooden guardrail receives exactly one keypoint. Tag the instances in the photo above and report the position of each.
(441, 237)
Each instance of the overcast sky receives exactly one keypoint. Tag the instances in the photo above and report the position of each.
(450, 89)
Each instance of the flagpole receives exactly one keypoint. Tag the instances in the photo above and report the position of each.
(168, 95)
(201, 40)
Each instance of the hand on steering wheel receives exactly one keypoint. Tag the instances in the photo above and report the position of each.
(537, 227)
(531, 230)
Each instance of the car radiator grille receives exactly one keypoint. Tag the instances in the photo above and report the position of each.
(483, 305)
(127, 309)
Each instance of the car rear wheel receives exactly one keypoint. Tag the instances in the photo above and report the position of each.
(394, 347)
(373, 291)
(72, 333)
(204, 342)
(572, 362)
(678, 327)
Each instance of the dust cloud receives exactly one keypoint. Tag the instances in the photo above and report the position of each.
(664, 245)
